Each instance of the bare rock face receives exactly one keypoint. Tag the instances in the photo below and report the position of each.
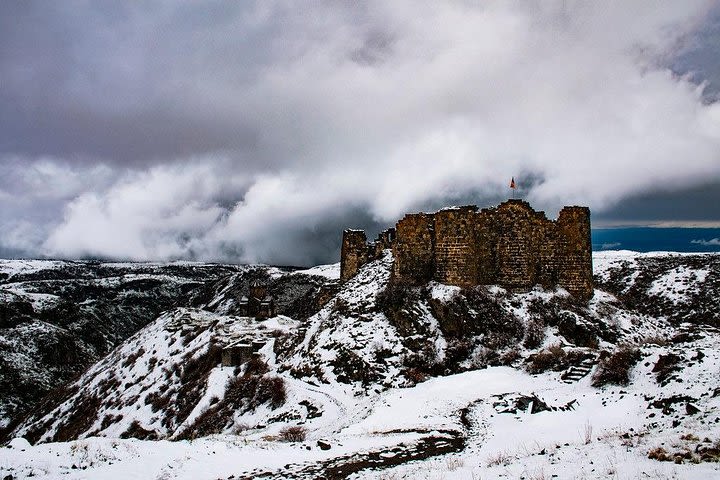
(511, 245)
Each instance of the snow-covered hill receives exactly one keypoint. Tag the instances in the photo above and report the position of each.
(57, 318)
(681, 287)
(387, 381)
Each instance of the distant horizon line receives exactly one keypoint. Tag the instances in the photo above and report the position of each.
(612, 224)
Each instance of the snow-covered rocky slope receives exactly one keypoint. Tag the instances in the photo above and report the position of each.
(386, 381)
(57, 318)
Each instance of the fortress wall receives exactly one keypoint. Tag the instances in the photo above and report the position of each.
(456, 259)
(521, 232)
(575, 265)
(487, 234)
(511, 245)
(353, 253)
(549, 256)
(414, 249)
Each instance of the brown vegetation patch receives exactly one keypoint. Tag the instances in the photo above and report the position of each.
(705, 451)
(193, 380)
(243, 393)
(555, 358)
(135, 430)
(665, 366)
(615, 368)
(79, 420)
(293, 434)
(132, 358)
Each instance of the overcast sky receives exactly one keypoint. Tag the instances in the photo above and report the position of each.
(244, 131)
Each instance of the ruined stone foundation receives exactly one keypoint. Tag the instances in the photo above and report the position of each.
(510, 245)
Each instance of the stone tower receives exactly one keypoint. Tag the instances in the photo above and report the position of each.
(354, 253)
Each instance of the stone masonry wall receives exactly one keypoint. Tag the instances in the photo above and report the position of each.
(575, 262)
(510, 245)
(353, 253)
(414, 248)
(455, 253)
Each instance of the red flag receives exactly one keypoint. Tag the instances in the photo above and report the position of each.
(512, 182)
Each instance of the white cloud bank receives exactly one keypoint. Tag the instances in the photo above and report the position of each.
(713, 242)
(408, 104)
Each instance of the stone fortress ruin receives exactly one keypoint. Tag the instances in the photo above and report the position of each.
(510, 245)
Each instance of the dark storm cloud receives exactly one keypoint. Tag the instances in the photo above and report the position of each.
(700, 54)
(256, 131)
(100, 81)
(139, 84)
(696, 205)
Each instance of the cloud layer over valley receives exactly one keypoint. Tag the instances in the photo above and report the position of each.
(257, 131)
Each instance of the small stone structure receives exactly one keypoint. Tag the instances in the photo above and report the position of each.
(510, 245)
(259, 304)
(236, 354)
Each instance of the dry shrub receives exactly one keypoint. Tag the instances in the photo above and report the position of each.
(158, 400)
(615, 368)
(456, 352)
(350, 367)
(196, 369)
(135, 430)
(293, 434)
(510, 356)
(394, 297)
(256, 366)
(484, 357)
(285, 342)
(251, 391)
(79, 420)
(193, 380)
(414, 375)
(271, 389)
(534, 333)
(658, 340)
(553, 358)
(660, 454)
(242, 394)
(454, 463)
(423, 358)
(306, 370)
(499, 458)
(341, 306)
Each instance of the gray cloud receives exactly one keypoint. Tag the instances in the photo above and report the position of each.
(256, 131)
(699, 53)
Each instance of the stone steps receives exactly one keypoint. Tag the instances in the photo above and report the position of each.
(581, 370)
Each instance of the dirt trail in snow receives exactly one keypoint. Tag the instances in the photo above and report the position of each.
(337, 413)
(435, 443)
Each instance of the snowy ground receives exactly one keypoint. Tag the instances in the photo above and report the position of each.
(589, 433)
(608, 434)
